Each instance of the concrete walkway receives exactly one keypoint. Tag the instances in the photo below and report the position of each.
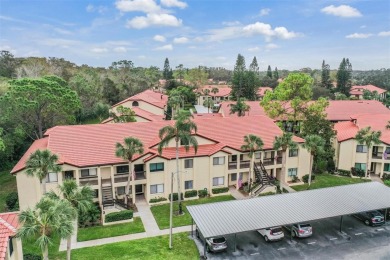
(376, 178)
(288, 188)
(150, 224)
(236, 194)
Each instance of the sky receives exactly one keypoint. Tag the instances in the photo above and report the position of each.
(280, 33)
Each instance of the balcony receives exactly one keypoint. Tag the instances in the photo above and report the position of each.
(279, 160)
(268, 161)
(89, 181)
(244, 164)
(232, 165)
(120, 178)
(140, 175)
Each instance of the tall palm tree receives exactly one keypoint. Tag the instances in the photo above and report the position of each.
(367, 137)
(80, 198)
(314, 144)
(49, 217)
(181, 131)
(240, 107)
(40, 163)
(208, 103)
(284, 142)
(174, 102)
(131, 147)
(252, 143)
(214, 90)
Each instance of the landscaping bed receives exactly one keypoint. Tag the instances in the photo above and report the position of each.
(161, 212)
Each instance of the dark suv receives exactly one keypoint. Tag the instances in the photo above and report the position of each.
(372, 218)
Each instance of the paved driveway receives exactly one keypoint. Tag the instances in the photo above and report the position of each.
(326, 243)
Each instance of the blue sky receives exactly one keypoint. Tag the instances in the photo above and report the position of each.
(284, 34)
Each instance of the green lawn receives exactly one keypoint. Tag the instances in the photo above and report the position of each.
(7, 185)
(30, 247)
(91, 233)
(161, 212)
(328, 180)
(147, 248)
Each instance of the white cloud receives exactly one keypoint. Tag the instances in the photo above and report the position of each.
(231, 23)
(140, 22)
(57, 42)
(358, 36)
(90, 8)
(180, 40)
(99, 50)
(363, 26)
(174, 3)
(271, 46)
(118, 43)
(254, 49)
(120, 49)
(7, 48)
(146, 6)
(283, 33)
(167, 47)
(159, 38)
(341, 11)
(264, 11)
(384, 34)
(100, 9)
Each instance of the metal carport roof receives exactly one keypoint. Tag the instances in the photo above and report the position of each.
(231, 217)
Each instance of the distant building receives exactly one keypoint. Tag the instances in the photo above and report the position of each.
(222, 94)
(261, 92)
(357, 91)
(10, 246)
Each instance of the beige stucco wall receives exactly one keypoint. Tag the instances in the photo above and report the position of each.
(143, 105)
(29, 190)
(18, 251)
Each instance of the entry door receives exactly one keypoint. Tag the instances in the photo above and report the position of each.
(139, 189)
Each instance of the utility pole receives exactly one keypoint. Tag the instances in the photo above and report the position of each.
(171, 214)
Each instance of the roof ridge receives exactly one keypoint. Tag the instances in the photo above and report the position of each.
(7, 225)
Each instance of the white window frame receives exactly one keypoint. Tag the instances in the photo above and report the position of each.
(159, 188)
(218, 181)
(92, 172)
(360, 166)
(219, 160)
(291, 171)
(293, 152)
(190, 162)
(52, 177)
(186, 184)
(363, 148)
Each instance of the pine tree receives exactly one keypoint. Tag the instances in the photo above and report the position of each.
(326, 82)
(276, 73)
(252, 81)
(254, 66)
(269, 72)
(344, 77)
(238, 77)
(167, 73)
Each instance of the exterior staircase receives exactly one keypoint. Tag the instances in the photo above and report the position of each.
(262, 178)
(107, 196)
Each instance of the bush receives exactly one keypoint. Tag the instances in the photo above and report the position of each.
(159, 199)
(285, 191)
(31, 257)
(386, 176)
(118, 216)
(295, 179)
(357, 172)
(267, 193)
(12, 201)
(176, 196)
(202, 193)
(305, 178)
(91, 217)
(387, 182)
(344, 172)
(220, 190)
(190, 193)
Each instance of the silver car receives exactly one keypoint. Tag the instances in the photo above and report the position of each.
(214, 244)
(272, 234)
(300, 230)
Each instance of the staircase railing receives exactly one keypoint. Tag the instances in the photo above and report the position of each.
(262, 178)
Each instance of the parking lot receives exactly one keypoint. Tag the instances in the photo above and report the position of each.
(356, 241)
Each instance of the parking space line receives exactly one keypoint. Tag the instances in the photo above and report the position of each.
(380, 229)
(358, 234)
(311, 243)
(333, 238)
(255, 253)
(282, 248)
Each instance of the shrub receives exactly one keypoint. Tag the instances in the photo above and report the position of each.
(31, 257)
(267, 193)
(344, 172)
(386, 176)
(285, 191)
(91, 217)
(202, 193)
(220, 190)
(175, 196)
(357, 172)
(387, 182)
(190, 193)
(159, 199)
(12, 201)
(118, 216)
(305, 178)
(295, 179)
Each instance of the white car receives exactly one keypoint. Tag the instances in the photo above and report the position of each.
(272, 234)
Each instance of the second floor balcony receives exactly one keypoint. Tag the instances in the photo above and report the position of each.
(232, 165)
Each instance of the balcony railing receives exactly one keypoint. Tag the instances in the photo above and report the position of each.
(121, 178)
(279, 160)
(232, 165)
(89, 181)
(140, 175)
(244, 164)
(268, 161)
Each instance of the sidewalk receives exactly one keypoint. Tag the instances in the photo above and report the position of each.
(236, 194)
(147, 217)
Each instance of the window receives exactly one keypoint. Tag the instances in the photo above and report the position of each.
(218, 160)
(11, 246)
(188, 185)
(258, 155)
(52, 177)
(189, 163)
(360, 166)
(218, 181)
(120, 190)
(293, 153)
(292, 172)
(68, 175)
(122, 169)
(233, 177)
(361, 148)
(85, 173)
(135, 104)
(156, 167)
(234, 158)
(96, 194)
(387, 167)
(157, 188)
(241, 157)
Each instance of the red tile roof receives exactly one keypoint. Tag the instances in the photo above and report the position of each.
(262, 90)
(9, 223)
(92, 145)
(223, 90)
(140, 113)
(358, 90)
(255, 110)
(378, 122)
(149, 96)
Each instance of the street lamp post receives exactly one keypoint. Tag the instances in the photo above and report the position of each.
(171, 211)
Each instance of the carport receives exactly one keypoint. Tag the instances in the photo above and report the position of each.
(234, 217)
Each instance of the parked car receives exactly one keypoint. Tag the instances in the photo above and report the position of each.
(214, 244)
(300, 230)
(272, 234)
(383, 212)
(372, 218)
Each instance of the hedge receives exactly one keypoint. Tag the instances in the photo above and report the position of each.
(220, 190)
(305, 178)
(202, 193)
(32, 257)
(12, 201)
(191, 193)
(386, 176)
(157, 200)
(176, 196)
(387, 182)
(118, 216)
(344, 173)
(358, 172)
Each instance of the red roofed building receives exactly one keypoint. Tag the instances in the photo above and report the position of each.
(10, 246)
(222, 94)
(87, 154)
(349, 153)
(261, 92)
(357, 91)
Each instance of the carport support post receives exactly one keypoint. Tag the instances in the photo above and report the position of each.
(291, 234)
(192, 227)
(341, 223)
(385, 215)
(205, 249)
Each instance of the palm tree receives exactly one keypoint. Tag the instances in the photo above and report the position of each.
(174, 102)
(314, 144)
(131, 147)
(388, 125)
(240, 107)
(284, 142)
(208, 103)
(367, 137)
(214, 90)
(181, 131)
(252, 143)
(48, 218)
(80, 198)
(40, 163)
